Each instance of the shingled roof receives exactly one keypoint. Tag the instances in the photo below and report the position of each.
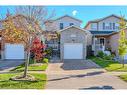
(63, 17)
(102, 32)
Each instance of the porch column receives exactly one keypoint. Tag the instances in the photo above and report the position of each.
(94, 45)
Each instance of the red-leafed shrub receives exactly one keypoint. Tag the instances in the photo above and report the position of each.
(38, 49)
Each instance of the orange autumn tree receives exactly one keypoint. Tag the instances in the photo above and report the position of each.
(26, 26)
(36, 16)
(12, 33)
(15, 31)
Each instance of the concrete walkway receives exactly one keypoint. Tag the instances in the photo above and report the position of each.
(91, 77)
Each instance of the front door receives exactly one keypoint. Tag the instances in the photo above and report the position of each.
(102, 41)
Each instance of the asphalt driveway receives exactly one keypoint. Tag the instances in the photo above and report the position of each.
(78, 65)
(60, 76)
(6, 65)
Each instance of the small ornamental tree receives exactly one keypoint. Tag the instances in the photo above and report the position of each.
(122, 49)
(36, 16)
(24, 26)
(37, 49)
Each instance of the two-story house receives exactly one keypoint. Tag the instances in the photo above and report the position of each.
(102, 30)
(52, 28)
(71, 41)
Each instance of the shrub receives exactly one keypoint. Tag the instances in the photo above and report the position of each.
(113, 55)
(48, 52)
(45, 60)
(32, 61)
(100, 54)
(107, 57)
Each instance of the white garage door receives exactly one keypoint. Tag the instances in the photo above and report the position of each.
(14, 51)
(73, 51)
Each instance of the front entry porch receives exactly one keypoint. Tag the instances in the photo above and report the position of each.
(100, 44)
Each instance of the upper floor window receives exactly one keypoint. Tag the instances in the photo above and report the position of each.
(61, 26)
(71, 24)
(110, 25)
(117, 26)
(94, 26)
(107, 26)
(103, 25)
(113, 25)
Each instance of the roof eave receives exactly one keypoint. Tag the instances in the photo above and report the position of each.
(75, 27)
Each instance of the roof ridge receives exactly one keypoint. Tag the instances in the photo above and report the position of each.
(66, 15)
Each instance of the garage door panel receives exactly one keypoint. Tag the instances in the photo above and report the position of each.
(14, 51)
(73, 51)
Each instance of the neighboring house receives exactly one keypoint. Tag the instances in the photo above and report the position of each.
(102, 30)
(114, 42)
(10, 50)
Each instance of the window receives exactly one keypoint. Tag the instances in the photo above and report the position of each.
(113, 25)
(61, 25)
(103, 25)
(107, 25)
(71, 24)
(117, 26)
(110, 25)
(94, 26)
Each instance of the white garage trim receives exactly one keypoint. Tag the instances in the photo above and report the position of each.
(14, 51)
(73, 51)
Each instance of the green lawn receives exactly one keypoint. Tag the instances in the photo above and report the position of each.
(109, 65)
(32, 68)
(123, 77)
(5, 83)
